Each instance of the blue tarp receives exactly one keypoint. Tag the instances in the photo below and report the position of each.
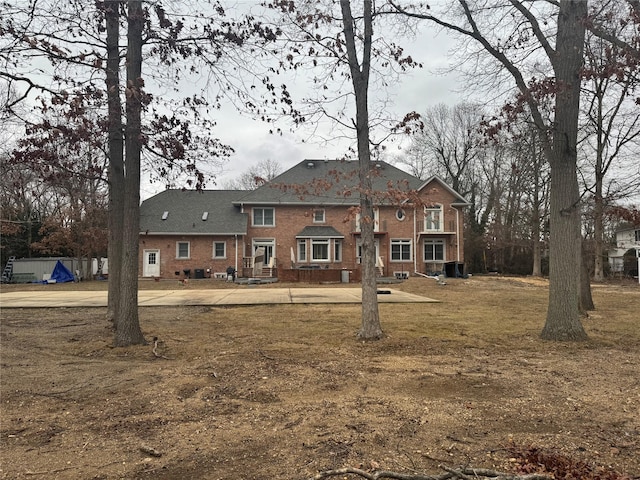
(61, 273)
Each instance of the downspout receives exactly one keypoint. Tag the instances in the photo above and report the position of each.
(457, 235)
(415, 240)
(236, 255)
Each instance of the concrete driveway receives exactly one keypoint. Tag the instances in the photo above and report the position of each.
(239, 296)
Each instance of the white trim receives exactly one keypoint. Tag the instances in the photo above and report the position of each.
(178, 257)
(433, 242)
(400, 242)
(428, 213)
(320, 241)
(324, 215)
(253, 217)
(146, 271)
(224, 244)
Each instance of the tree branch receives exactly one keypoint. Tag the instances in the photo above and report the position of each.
(452, 474)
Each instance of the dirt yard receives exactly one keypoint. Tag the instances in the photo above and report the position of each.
(282, 392)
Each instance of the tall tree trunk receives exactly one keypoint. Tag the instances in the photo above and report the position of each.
(127, 323)
(586, 299)
(116, 158)
(536, 203)
(370, 328)
(598, 209)
(563, 314)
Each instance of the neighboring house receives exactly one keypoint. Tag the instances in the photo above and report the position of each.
(623, 258)
(305, 219)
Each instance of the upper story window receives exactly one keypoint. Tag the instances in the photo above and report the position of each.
(400, 215)
(433, 218)
(376, 220)
(183, 250)
(318, 216)
(637, 235)
(264, 217)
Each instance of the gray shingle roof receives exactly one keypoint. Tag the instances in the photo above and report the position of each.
(326, 182)
(185, 213)
(319, 231)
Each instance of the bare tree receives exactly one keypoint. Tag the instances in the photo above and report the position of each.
(612, 133)
(259, 174)
(73, 52)
(448, 145)
(347, 62)
(559, 138)
(360, 66)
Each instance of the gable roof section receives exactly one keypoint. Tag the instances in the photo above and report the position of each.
(325, 182)
(459, 201)
(185, 213)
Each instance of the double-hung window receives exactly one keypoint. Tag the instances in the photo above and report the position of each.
(318, 216)
(400, 250)
(337, 250)
(264, 217)
(183, 250)
(302, 250)
(219, 250)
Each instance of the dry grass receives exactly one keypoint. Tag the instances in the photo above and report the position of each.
(282, 391)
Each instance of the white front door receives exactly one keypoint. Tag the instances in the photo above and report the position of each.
(151, 263)
(376, 243)
(269, 246)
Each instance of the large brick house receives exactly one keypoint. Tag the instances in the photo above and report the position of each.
(307, 224)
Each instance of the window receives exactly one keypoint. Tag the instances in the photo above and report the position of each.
(182, 250)
(376, 221)
(320, 250)
(400, 250)
(269, 245)
(219, 250)
(637, 236)
(433, 218)
(400, 215)
(337, 250)
(376, 246)
(302, 250)
(152, 258)
(318, 216)
(434, 250)
(263, 217)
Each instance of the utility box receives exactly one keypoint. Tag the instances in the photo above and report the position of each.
(198, 273)
(344, 276)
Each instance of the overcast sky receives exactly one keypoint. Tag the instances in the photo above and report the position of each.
(416, 91)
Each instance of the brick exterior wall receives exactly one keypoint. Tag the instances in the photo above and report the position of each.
(291, 220)
(201, 254)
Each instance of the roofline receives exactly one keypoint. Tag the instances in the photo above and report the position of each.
(275, 202)
(174, 234)
(627, 228)
(445, 185)
(322, 237)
